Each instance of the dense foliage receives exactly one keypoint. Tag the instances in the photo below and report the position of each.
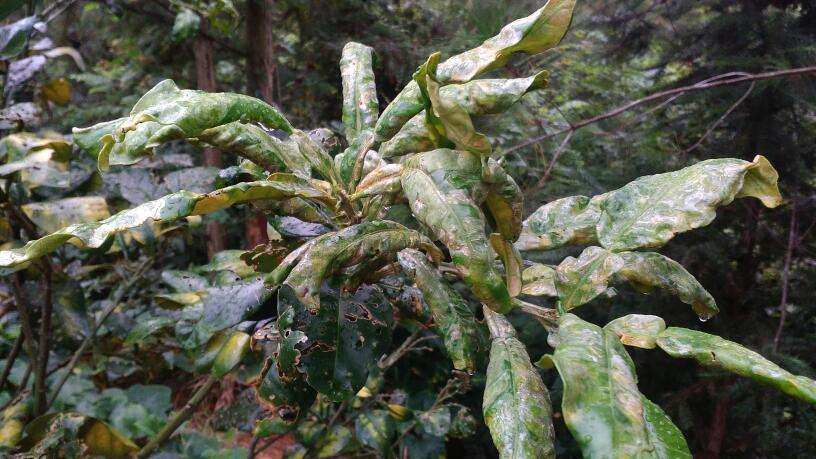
(410, 270)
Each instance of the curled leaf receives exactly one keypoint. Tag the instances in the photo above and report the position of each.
(511, 259)
(504, 200)
(637, 330)
(538, 280)
(566, 221)
(360, 106)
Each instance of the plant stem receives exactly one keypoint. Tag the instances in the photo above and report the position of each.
(178, 419)
(25, 318)
(12, 357)
(44, 348)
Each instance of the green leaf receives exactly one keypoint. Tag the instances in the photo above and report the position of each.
(566, 221)
(97, 437)
(230, 354)
(440, 187)
(14, 36)
(637, 330)
(168, 113)
(343, 338)
(40, 161)
(360, 106)
(376, 429)
(649, 211)
(530, 35)
(504, 200)
(453, 317)
(333, 442)
(580, 280)
(538, 280)
(350, 246)
(171, 207)
(516, 403)
(147, 327)
(602, 405)
(713, 351)
(478, 97)
(227, 260)
(13, 421)
(89, 139)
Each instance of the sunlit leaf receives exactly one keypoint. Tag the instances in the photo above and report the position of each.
(230, 354)
(516, 404)
(453, 317)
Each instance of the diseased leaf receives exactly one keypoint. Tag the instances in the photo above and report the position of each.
(147, 327)
(14, 36)
(504, 200)
(649, 211)
(42, 166)
(538, 280)
(478, 97)
(347, 247)
(13, 421)
(333, 442)
(227, 260)
(531, 35)
(602, 405)
(440, 186)
(580, 280)
(168, 113)
(637, 330)
(19, 116)
(713, 351)
(360, 106)
(289, 397)
(172, 207)
(516, 404)
(565, 221)
(453, 317)
(382, 180)
(344, 337)
(89, 139)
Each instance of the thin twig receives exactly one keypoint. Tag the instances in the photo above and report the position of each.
(44, 347)
(783, 302)
(706, 84)
(722, 118)
(12, 357)
(556, 155)
(117, 297)
(178, 419)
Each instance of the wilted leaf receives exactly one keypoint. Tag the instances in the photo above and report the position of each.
(579, 280)
(99, 438)
(344, 337)
(57, 91)
(289, 396)
(504, 200)
(531, 35)
(172, 207)
(538, 280)
(439, 186)
(453, 317)
(516, 403)
(382, 180)
(713, 351)
(347, 247)
(602, 405)
(511, 259)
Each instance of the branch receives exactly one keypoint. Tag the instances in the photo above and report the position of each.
(12, 357)
(178, 419)
(783, 302)
(721, 80)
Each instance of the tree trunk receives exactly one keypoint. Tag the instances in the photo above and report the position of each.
(205, 78)
(260, 84)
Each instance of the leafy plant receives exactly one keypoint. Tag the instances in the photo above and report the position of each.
(409, 199)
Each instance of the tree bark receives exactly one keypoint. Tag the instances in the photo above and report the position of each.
(205, 78)
(260, 84)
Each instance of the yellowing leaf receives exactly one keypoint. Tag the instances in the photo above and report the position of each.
(57, 91)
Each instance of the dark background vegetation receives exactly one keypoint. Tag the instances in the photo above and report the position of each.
(616, 51)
